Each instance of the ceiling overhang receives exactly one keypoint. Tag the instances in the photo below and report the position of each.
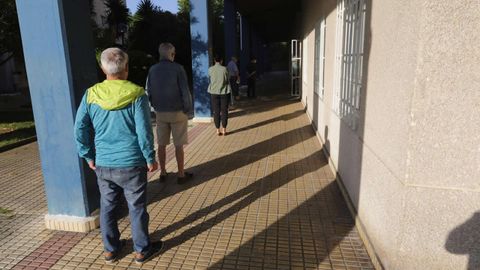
(273, 20)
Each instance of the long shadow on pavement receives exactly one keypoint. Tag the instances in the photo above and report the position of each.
(284, 117)
(319, 223)
(304, 238)
(228, 163)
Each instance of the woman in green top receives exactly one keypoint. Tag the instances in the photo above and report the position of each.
(219, 89)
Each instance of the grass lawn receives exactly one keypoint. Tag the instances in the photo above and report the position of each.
(15, 127)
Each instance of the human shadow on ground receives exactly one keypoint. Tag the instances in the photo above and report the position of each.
(223, 165)
(258, 106)
(219, 166)
(303, 238)
(284, 117)
(326, 207)
(465, 239)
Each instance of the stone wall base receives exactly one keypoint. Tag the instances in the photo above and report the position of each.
(377, 263)
(202, 120)
(72, 223)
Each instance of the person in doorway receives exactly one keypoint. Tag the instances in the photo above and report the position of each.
(169, 94)
(114, 135)
(219, 89)
(234, 77)
(252, 77)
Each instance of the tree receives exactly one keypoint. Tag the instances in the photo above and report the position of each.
(142, 27)
(10, 40)
(149, 27)
(218, 34)
(184, 6)
(183, 36)
(117, 17)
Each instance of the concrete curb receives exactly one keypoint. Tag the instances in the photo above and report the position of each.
(17, 144)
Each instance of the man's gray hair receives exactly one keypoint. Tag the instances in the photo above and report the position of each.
(165, 50)
(114, 61)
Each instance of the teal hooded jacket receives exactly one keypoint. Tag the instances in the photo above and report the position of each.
(112, 126)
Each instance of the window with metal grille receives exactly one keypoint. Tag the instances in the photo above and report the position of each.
(319, 85)
(349, 41)
(296, 66)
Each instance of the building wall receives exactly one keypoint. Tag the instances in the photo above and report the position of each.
(411, 167)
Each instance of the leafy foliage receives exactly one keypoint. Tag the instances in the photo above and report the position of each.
(9, 29)
(184, 6)
(218, 35)
(149, 27)
(117, 14)
(139, 64)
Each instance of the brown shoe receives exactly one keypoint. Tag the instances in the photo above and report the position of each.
(111, 257)
(155, 248)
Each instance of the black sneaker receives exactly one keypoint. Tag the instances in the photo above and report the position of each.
(183, 180)
(163, 177)
(155, 248)
(111, 257)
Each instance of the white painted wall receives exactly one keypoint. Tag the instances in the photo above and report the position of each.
(412, 167)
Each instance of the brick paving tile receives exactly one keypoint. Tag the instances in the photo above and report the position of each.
(262, 197)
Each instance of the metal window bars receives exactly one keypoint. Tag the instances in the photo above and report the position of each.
(296, 66)
(349, 40)
(319, 69)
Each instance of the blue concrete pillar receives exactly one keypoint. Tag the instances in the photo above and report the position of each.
(200, 39)
(230, 29)
(60, 62)
(244, 48)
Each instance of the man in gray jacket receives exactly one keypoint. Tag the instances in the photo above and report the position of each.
(167, 88)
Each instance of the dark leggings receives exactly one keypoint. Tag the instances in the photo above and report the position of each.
(220, 109)
(234, 86)
(251, 88)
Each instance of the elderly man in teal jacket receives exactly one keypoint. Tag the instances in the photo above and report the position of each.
(114, 135)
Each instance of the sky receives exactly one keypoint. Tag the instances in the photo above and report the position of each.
(168, 5)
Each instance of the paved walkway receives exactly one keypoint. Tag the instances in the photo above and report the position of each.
(263, 197)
